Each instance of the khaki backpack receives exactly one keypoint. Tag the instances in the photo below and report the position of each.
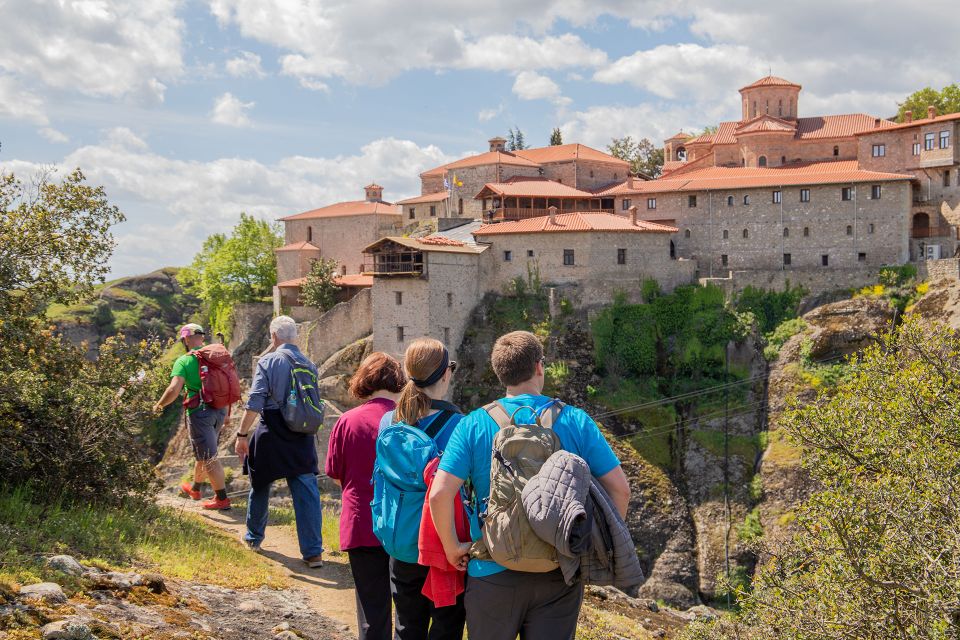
(518, 453)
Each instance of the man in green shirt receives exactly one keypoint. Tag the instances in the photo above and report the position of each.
(204, 423)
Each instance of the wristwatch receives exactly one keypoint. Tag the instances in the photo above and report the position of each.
(242, 435)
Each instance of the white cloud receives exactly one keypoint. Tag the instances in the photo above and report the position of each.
(18, 103)
(530, 85)
(97, 47)
(52, 135)
(596, 125)
(486, 115)
(172, 205)
(245, 65)
(231, 111)
(513, 53)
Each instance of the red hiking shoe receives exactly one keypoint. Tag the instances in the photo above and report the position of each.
(188, 491)
(217, 505)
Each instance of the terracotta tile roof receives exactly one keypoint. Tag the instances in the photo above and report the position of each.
(534, 188)
(841, 126)
(296, 282)
(373, 185)
(349, 280)
(701, 139)
(441, 241)
(422, 245)
(439, 196)
(915, 123)
(573, 223)
(680, 135)
(703, 161)
(352, 208)
(567, 152)
(299, 246)
(668, 166)
(490, 157)
(765, 124)
(725, 133)
(720, 178)
(771, 81)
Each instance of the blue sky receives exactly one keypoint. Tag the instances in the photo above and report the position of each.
(191, 112)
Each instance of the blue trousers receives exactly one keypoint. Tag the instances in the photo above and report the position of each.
(306, 508)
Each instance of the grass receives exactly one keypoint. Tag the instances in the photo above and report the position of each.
(746, 447)
(781, 452)
(175, 544)
(283, 516)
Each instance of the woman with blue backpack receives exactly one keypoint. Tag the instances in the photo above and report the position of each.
(410, 437)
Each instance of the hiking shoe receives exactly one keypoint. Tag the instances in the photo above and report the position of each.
(217, 505)
(187, 489)
(250, 544)
(314, 562)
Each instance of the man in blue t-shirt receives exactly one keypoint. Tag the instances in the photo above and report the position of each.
(501, 603)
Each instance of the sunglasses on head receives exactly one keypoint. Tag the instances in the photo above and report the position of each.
(452, 366)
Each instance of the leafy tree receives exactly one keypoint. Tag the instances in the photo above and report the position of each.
(947, 100)
(770, 308)
(644, 158)
(515, 140)
(556, 138)
(875, 551)
(319, 289)
(234, 269)
(69, 428)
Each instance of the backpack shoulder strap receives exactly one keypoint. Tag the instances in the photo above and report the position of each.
(550, 412)
(496, 411)
(438, 423)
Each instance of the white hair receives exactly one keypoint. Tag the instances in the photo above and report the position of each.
(285, 327)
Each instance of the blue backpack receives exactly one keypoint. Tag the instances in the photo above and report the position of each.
(403, 452)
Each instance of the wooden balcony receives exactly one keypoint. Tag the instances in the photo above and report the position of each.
(508, 214)
(394, 263)
(932, 232)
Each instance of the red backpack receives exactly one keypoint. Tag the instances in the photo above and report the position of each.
(219, 382)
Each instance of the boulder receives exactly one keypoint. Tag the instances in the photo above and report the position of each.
(69, 629)
(846, 327)
(46, 591)
(65, 564)
(114, 580)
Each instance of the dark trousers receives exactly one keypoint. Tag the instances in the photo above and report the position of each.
(371, 576)
(415, 613)
(537, 606)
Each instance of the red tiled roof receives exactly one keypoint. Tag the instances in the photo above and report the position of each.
(915, 123)
(572, 223)
(703, 138)
(373, 185)
(841, 126)
(680, 135)
(439, 196)
(567, 152)
(352, 208)
(703, 161)
(441, 241)
(490, 157)
(296, 282)
(765, 124)
(299, 246)
(771, 81)
(719, 178)
(350, 280)
(669, 165)
(534, 188)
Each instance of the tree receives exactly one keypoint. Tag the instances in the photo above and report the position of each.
(644, 158)
(947, 100)
(319, 289)
(556, 138)
(234, 269)
(515, 140)
(875, 552)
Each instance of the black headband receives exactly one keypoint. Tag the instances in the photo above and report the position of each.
(436, 375)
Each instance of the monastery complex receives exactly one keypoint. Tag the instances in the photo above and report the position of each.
(819, 201)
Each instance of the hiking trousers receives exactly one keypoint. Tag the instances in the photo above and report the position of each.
(537, 606)
(371, 575)
(416, 617)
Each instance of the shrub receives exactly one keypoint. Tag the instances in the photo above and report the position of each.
(897, 275)
(319, 289)
(770, 308)
(779, 336)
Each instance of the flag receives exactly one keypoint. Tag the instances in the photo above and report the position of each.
(446, 183)
(456, 182)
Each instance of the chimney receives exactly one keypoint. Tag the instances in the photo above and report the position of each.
(552, 213)
(931, 112)
(876, 123)
(630, 181)
(633, 215)
(374, 192)
(497, 144)
(908, 116)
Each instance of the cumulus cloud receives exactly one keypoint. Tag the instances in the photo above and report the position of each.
(231, 111)
(530, 85)
(245, 65)
(172, 204)
(596, 126)
(52, 135)
(18, 103)
(486, 115)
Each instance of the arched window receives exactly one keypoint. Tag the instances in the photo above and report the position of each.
(729, 201)
(746, 234)
(786, 232)
(746, 199)
(726, 234)
(836, 151)
(921, 221)
(806, 232)
(309, 234)
(686, 233)
(849, 230)
(762, 161)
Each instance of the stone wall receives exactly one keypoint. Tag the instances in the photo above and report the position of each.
(474, 178)
(345, 323)
(343, 238)
(816, 281)
(584, 174)
(933, 270)
(294, 264)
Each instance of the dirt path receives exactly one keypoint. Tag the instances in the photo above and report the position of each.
(329, 590)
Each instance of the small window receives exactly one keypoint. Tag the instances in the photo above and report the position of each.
(398, 297)
(806, 232)
(849, 230)
(686, 233)
(726, 234)
(446, 335)
(691, 201)
(836, 151)
(413, 212)
(945, 139)
(879, 150)
(804, 195)
(651, 203)
(786, 232)
(916, 148)
(825, 260)
(746, 234)
(723, 259)
(621, 256)
(508, 256)
(746, 199)
(762, 161)
(776, 197)
(591, 173)
(399, 334)
(568, 257)
(846, 193)
(783, 159)
(787, 258)
(946, 177)
(433, 211)
(870, 228)
(875, 191)
(449, 299)
(928, 141)
(309, 234)
(861, 257)
(529, 253)
(729, 201)
(626, 204)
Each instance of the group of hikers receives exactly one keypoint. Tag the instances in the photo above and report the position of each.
(493, 520)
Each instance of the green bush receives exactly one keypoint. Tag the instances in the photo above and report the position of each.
(770, 308)
(779, 336)
(897, 275)
(751, 530)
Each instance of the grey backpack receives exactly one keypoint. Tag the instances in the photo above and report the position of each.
(303, 411)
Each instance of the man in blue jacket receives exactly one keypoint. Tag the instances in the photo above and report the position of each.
(501, 603)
